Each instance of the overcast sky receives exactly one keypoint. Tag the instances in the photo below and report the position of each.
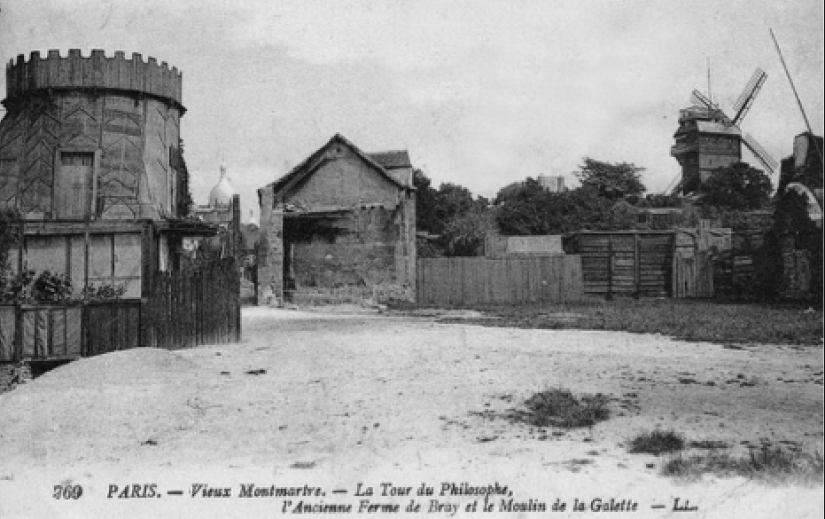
(482, 93)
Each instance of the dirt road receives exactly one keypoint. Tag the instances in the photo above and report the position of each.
(333, 401)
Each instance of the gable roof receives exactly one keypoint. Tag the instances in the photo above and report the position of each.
(318, 158)
(392, 159)
(719, 128)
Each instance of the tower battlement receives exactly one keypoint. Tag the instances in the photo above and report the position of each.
(96, 72)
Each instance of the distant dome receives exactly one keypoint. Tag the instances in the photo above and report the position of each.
(223, 191)
(252, 220)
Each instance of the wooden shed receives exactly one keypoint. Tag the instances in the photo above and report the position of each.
(626, 263)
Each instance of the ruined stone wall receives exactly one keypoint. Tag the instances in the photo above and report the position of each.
(407, 254)
(361, 261)
(361, 254)
(270, 250)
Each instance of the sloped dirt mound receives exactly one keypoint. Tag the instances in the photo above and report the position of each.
(110, 402)
(137, 365)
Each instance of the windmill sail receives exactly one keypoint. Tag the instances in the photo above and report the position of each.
(768, 162)
(743, 104)
(700, 99)
(677, 188)
(708, 138)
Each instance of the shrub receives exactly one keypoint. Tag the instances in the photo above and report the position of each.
(560, 408)
(769, 465)
(103, 292)
(29, 287)
(52, 288)
(657, 442)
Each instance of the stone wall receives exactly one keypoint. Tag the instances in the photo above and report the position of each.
(270, 251)
(362, 254)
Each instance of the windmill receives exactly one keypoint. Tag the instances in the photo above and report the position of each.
(708, 139)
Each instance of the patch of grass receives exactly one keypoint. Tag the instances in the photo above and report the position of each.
(753, 323)
(560, 408)
(708, 444)
(768, 465)
(400, 305)
(657, 442)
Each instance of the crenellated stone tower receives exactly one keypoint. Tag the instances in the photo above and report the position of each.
(92, 137)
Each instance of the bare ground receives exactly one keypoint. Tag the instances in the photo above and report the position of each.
(332, 400)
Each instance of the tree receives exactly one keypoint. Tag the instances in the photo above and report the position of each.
(533, 210)
(464, 235)
(425, 202)
(661, 201)
(792, 222)
(436, 208)
(452, 200)
(738, 187)
(611, 181)
(509, 191)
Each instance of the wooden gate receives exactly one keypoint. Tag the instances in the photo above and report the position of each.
(692, 274)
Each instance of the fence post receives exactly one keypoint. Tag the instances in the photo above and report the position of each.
(143, 323)
(162, 310)
(84, 329)
(188, 295)
(174, 313)
(637, 267)
(17, 353)
(236, 286)
(609, 268)
(199, 294)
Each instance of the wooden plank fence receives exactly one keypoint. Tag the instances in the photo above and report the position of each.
(183, 309)
(459, 281)
(188, 309)
(638, 264)
(112, 326)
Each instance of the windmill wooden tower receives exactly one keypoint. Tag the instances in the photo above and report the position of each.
(708, 139)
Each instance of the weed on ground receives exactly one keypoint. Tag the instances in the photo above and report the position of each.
(752, 323)
(560, 408)
(657, 442)
(768, 465)
(708, 444)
